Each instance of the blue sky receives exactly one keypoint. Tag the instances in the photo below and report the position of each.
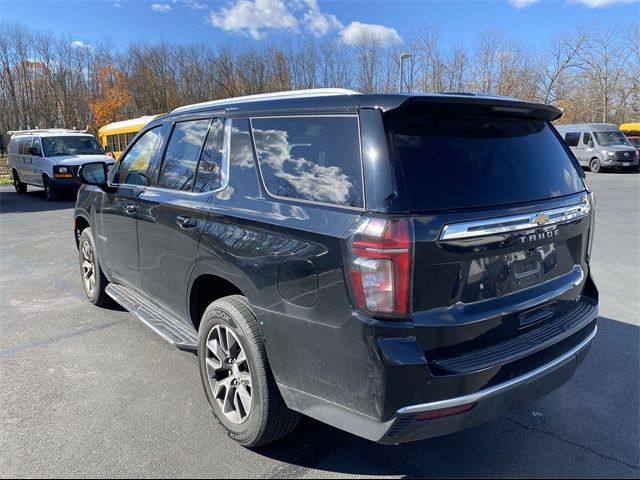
(186, 21)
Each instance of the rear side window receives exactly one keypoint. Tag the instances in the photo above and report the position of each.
(455, 161)
(311, 158)
(183, 151)
(572, 138)
(25, 143)
(210, 176)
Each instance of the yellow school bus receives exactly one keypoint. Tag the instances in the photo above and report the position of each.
(630, 129)
(115, 136)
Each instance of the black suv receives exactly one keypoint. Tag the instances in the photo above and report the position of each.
(397, 266)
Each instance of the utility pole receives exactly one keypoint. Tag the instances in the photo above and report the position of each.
(403, 57)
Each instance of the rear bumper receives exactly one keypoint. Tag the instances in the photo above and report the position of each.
(485, 404)
(407, 426)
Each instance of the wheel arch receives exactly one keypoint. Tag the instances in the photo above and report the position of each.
(80, 223)
(207, 287)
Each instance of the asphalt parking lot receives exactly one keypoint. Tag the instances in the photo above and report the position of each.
(86, 391)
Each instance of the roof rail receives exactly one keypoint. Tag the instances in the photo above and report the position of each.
(46, 130)
(314, 92)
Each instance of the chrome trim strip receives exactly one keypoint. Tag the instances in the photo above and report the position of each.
(515, 223)
(481, 395)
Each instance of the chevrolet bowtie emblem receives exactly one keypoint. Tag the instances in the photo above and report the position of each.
(541, 219)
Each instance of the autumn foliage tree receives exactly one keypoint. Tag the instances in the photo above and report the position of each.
(113, 97)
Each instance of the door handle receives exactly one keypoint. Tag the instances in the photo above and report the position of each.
(131, 208)
(186, 223)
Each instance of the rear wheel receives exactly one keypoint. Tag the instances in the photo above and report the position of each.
(236, 375)
(50, 192)
(595, 165)
(17, 184)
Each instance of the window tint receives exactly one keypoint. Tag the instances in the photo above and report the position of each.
(210, 176)
(36, 143)
(134, 166)
(181, 157)
(311, 158)
(24, 146)
(452, 161)
(572, 139)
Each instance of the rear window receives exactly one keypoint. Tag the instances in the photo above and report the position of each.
(454, 161)
(311, 158)
(572, 139)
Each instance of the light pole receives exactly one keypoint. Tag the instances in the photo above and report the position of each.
(403, 57)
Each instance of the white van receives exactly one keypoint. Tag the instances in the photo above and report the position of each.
(599, 146)
(51, 158)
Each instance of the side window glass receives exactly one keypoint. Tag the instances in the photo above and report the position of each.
(111, 144)
(36, 143)
(210, 175)
(572, 139)
(181, 157)
(311, 158)
(586, 139)
(134, 166)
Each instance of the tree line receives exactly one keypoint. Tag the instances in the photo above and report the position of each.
(592, 72)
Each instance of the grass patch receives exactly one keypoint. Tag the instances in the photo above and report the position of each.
(6, 180)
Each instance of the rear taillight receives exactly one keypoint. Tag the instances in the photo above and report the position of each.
(379, 265)
(592, 228)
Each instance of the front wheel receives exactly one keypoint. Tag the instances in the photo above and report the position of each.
(93, 280)
(50, 192)
(595, 165)
(236, 375)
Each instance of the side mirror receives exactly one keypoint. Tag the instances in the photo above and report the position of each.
(590, 144)
(35, 151)
(94, 173)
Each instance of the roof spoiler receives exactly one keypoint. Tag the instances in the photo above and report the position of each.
(465, 103)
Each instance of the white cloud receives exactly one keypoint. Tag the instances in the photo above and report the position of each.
(161, 7)
(519, 4)
(254, 17)
(356, 32)
(603, 3)
(79, 44)
(117, 5)
(194, 5)
(319, 23)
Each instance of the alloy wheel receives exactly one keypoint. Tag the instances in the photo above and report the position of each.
(88, 268)
(229, 375)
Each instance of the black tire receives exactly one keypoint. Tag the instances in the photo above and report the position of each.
(595, 166)
(269, 418)
(20, 187)
(98, 296)
(50, 192)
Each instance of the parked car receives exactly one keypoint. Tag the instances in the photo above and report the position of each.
(599, 146)
(50, 158)
(397, 266)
